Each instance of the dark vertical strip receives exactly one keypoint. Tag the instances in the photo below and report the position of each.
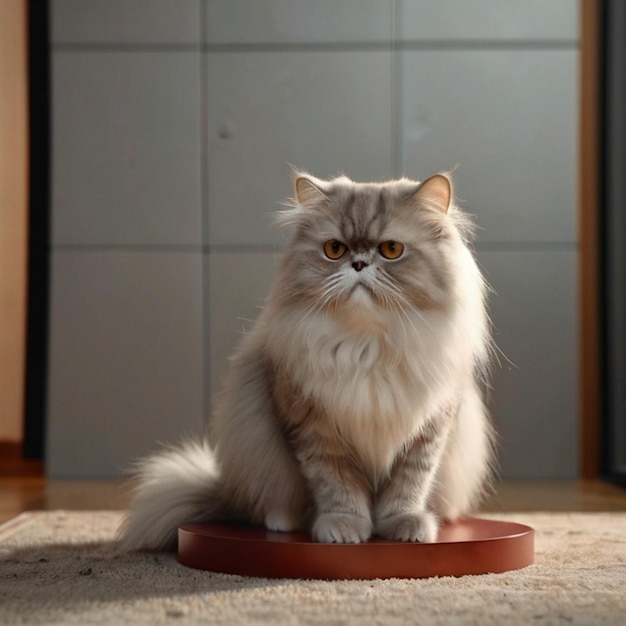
(39, 229)
(602, 243)
(614, 270)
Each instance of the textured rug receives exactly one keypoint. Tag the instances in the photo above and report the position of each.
(61, 568)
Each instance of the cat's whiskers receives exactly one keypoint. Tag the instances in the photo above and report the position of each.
(321, 303)
(402, 305)
(396, 304)
(404, 308)
(332, 291)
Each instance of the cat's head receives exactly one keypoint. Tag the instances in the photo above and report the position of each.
(371, 247)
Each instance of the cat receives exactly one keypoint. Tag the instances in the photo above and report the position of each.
(353, 407)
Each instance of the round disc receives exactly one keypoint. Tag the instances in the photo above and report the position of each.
(468, 546)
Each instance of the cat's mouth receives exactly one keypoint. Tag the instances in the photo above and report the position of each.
(360, 289)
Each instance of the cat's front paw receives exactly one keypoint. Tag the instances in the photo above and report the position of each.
(420, 527)
(341, 528)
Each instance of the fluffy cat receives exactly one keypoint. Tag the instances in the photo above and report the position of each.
(353, 406)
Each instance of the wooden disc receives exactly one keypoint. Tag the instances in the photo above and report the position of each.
(468, 546)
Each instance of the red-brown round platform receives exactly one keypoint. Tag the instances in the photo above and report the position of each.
(468, 546)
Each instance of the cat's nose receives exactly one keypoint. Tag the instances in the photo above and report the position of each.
(359, 265)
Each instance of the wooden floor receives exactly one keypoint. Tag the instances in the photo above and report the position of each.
(18, 494)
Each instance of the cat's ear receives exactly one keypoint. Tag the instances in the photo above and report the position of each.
(309, 196)
(435, 192)
(308, 190)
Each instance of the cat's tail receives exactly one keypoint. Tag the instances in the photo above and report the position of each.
(175, 486)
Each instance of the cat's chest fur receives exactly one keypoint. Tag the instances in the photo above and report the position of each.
(376, 384)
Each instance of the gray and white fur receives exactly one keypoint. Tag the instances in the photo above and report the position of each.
(353, 407)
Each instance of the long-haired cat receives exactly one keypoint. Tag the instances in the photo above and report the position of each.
(353, 406)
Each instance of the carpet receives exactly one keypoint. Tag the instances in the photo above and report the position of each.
(61, 567)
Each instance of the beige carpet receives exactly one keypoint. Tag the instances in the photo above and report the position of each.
(59, 568)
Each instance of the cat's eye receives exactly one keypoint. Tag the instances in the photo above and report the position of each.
(391, 249)
(334, 249)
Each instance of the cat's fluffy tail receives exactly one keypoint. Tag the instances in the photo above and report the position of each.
(173, 487)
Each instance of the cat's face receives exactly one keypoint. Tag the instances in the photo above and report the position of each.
(369, 247)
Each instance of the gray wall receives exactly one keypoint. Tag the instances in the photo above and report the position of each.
(173, 123)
